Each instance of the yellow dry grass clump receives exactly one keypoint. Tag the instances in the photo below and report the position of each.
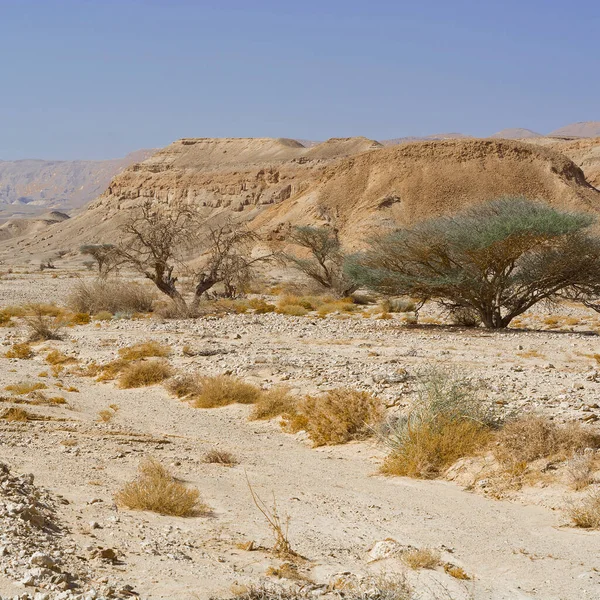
(336, 417)
(423, 558)
(430, 447)
(223, 390)
(148, 349)
(529, 438)
(220, 457)
(25, 387)
(156, 490)
(22, 351)
(144, 373)
(56, 357)
(273, 403)
(586, 513)
(18, 415)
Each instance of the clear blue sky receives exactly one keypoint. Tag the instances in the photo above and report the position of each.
(99, 78)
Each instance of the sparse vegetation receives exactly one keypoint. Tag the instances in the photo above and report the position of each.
(586, 513)
(446, 423)
(42, 326)
(273, 403)
(107, 297)
(156, 490)
(421, 558)
(529, 438)
(25, 387)
(145, 350)
(220, 457)
(336, 417)
(144, 373)
(325, 260)
(223, 390)
(22, 351)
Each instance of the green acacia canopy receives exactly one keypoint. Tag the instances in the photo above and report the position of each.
(495, 259)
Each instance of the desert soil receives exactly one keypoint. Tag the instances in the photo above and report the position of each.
(339, 506)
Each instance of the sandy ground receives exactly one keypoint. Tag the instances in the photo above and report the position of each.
(339, 506)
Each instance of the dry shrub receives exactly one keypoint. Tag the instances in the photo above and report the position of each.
(56, 357)
(156, 490)
(220, 457)
(5, 318)
(424, 558)
(336, 417)
(144, 373)
(273, 403)
(292, 310)
(25, 387)
(145, 350)
(22, 351)
(16, 414)
(261, 306)
(529, 438)
(580, 471)
(448, 421)
(586, 514)
(223, 390)
(80, 318)
(456, 572)
(103, 315)
(431, 447)
(43, 327)
(107, 415)
(278, 523)
(183, 385)
(111, 296)
(397, 305)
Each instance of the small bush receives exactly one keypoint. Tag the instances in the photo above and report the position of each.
(397, 305)
(110, 296)
(144, 373)
(586, 514)
(292, 310)
(22, 351)
(145, 350)
(16, 414)
(25, 387)
(56, 357)
(184, 385)
(103, 315)
(223, 390)
(529, 438)
(156, 490)
(273, 403)
(336, 417)
(447, 422)
(80, 318)
(220, 457)
(43, 327)
(260, 306)
(424, 558)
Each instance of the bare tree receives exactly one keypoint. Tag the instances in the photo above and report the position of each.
(325, 265)
(159, 240)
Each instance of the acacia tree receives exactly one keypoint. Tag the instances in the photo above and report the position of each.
(497, 259)
(325, 263)
(105, 256)
(158, 240)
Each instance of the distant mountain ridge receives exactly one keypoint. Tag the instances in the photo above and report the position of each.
(30, 186)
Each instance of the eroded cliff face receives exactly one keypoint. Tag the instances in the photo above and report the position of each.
(355, 183)
(230, 173)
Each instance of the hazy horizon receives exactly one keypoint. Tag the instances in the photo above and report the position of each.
(97, 80)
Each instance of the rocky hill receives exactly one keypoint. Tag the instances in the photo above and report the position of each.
(362, 186)
(583, 129)
(34, 186)
(515, 133)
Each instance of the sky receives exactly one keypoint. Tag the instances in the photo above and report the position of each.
(96, 79)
